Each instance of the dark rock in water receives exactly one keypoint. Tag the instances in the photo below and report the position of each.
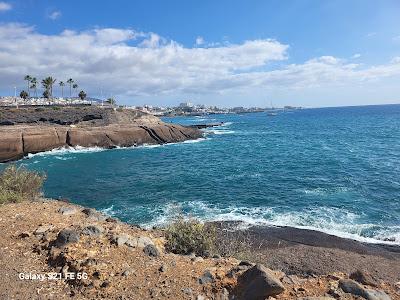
(364, 278)
(258, 283)
(352, 287)
(151, 250)
(206, 278)
(67, 236)
(93, 230)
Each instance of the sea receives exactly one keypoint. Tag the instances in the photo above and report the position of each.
(334, 170)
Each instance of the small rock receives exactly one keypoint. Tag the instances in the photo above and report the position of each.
(163, 268)
(206, 278)
(94, 214)
(258, 283)
(187, 291)
(93, 230)
(120, 239)
(24, 234)
(197, 259)
(363, 278)
(200, 297)
(127, 272)
(216, 256)
(42, 229)
(377, 295)
(67, 211)
(352, 287)
(105, 284)
(151, 250)
(66, 236)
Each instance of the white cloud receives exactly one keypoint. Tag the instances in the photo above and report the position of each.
(128, 64)
(199, 40)
(54, 15)
(357, 55)
(4, 6)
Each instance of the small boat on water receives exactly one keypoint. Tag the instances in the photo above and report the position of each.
(272, 112)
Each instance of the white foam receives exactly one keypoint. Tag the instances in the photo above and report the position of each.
(67, 150)
(59, 152)
(329, 220)
(219, 131)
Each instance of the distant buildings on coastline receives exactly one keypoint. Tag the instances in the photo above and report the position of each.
(183, 109)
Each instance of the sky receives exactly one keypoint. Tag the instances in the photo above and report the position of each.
(228, 53)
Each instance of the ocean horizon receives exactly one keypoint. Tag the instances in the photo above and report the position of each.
(333, 170)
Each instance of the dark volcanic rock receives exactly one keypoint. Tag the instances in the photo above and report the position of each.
(151, 250)
(258, 283)
(66, 236)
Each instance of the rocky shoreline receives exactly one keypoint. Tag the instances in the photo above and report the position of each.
(96, 256)
(27, 131)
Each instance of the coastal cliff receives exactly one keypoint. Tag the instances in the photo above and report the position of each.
(30, 130)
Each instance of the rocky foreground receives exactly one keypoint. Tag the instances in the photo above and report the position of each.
(32, 130)
(56, 250)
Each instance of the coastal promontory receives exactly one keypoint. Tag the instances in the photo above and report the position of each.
(32, 130)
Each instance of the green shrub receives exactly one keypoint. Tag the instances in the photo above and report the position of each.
(19, 184)
(190, 236)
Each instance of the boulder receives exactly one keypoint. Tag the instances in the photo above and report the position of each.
(258, 283)
(66, 236)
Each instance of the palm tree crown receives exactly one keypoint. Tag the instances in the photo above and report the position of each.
(28, 78)
(48, 85)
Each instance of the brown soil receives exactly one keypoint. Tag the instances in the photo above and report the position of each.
(167, 276)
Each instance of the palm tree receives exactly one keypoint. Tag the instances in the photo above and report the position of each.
(62, 84)
(48, 86)
(34, 85)
(70, 82)
(75, 87)
(23, 95)
(82, 95)
(28, 78)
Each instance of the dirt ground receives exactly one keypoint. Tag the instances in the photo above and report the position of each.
(104, 269)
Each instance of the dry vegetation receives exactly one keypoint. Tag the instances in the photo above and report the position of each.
(20, 184)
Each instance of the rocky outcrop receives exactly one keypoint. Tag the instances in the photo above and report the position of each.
(18, 141)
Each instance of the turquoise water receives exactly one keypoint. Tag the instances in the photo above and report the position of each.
(336, 170)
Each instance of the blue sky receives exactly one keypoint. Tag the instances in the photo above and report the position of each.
(310, 53)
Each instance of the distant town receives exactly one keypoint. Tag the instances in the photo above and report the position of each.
(30, 97)
(183, 109)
